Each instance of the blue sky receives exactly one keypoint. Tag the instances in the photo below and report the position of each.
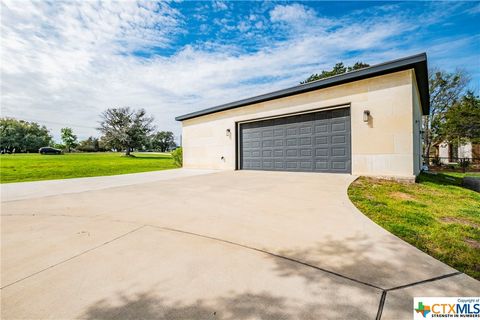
(65, 62)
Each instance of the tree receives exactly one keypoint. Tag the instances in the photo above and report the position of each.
(125, 128)
(462, 121)
(68, 138)
(162, 140)
(339, 68)
(445, 90)
(22, 136)
(91, 144)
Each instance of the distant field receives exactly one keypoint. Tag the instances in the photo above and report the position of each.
(33, 167)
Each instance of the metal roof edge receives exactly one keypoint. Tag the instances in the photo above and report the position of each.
(417, 62)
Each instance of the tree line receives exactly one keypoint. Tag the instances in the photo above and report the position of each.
(454, 115)
(122, 129)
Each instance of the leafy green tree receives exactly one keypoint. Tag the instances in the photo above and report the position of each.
(339, 68)
(162, 140)
(462, 121)
(68, 138)
(22, 136)
(446, 89)
(125, 128)
(91, 144)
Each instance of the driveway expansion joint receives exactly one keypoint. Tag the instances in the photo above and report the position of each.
(385, 292)
(448, 275)
(73, 257)
(381, 304)
(271, 254)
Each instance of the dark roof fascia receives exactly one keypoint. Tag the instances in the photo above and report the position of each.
(417, 62)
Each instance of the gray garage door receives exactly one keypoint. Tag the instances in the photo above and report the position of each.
(318, 141)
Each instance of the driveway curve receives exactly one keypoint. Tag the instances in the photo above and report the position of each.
(227, 245)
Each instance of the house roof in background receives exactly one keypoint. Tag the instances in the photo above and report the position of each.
(417, 62)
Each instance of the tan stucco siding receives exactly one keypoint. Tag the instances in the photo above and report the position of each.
(381, 147)
(417, 127)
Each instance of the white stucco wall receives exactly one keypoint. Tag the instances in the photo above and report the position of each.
(465, 151)
(382, 147)
(443, 152)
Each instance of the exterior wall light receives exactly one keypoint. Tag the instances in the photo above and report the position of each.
(229, 133)
(366, 115)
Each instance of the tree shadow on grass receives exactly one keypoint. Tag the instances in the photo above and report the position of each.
(440, 179)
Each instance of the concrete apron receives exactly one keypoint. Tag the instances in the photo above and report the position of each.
(229, 245)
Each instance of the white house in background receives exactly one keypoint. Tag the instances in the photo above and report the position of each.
(449, 153)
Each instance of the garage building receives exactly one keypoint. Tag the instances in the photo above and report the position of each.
(364, 122)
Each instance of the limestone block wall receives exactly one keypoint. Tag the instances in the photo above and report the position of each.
(388, 145)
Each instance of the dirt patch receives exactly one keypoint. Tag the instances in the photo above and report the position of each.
(472, 243)
(459, 221)
(401, 195)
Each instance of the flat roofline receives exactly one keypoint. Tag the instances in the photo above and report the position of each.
(417, 62)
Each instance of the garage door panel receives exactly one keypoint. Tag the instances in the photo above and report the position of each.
(280, 165)
(267, 164)
(338, 127)
(318, 141)
(291, 164)
(306, 164)
(255, 144)
(339, 139)
(278, 143)
(267, 143)
(305, 141)
(321, 127)
(305, 130)
(291, 152)
(321, 140)
(267, 133)
(321, 165)
(267, 153)
(305, 152)
(278, 153)
(338, 165)
(291, 142)
(342, 152)
(292, 131)
(321, 152)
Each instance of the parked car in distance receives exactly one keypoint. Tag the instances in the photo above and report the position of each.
(49, 150)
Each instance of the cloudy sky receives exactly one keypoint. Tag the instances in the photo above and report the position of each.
(62, 63)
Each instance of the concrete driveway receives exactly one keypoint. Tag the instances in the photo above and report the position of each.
(201, 245)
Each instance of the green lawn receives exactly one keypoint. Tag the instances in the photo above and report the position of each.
(32, 167)
(436, 215)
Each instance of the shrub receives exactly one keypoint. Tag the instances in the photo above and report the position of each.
(177, 155)
(464, 164)
(436, 161)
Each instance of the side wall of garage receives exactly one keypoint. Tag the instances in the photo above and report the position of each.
(417, 127)
(383, 146)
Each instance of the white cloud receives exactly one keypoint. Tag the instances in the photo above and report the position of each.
(219, 5)
(292, 13)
